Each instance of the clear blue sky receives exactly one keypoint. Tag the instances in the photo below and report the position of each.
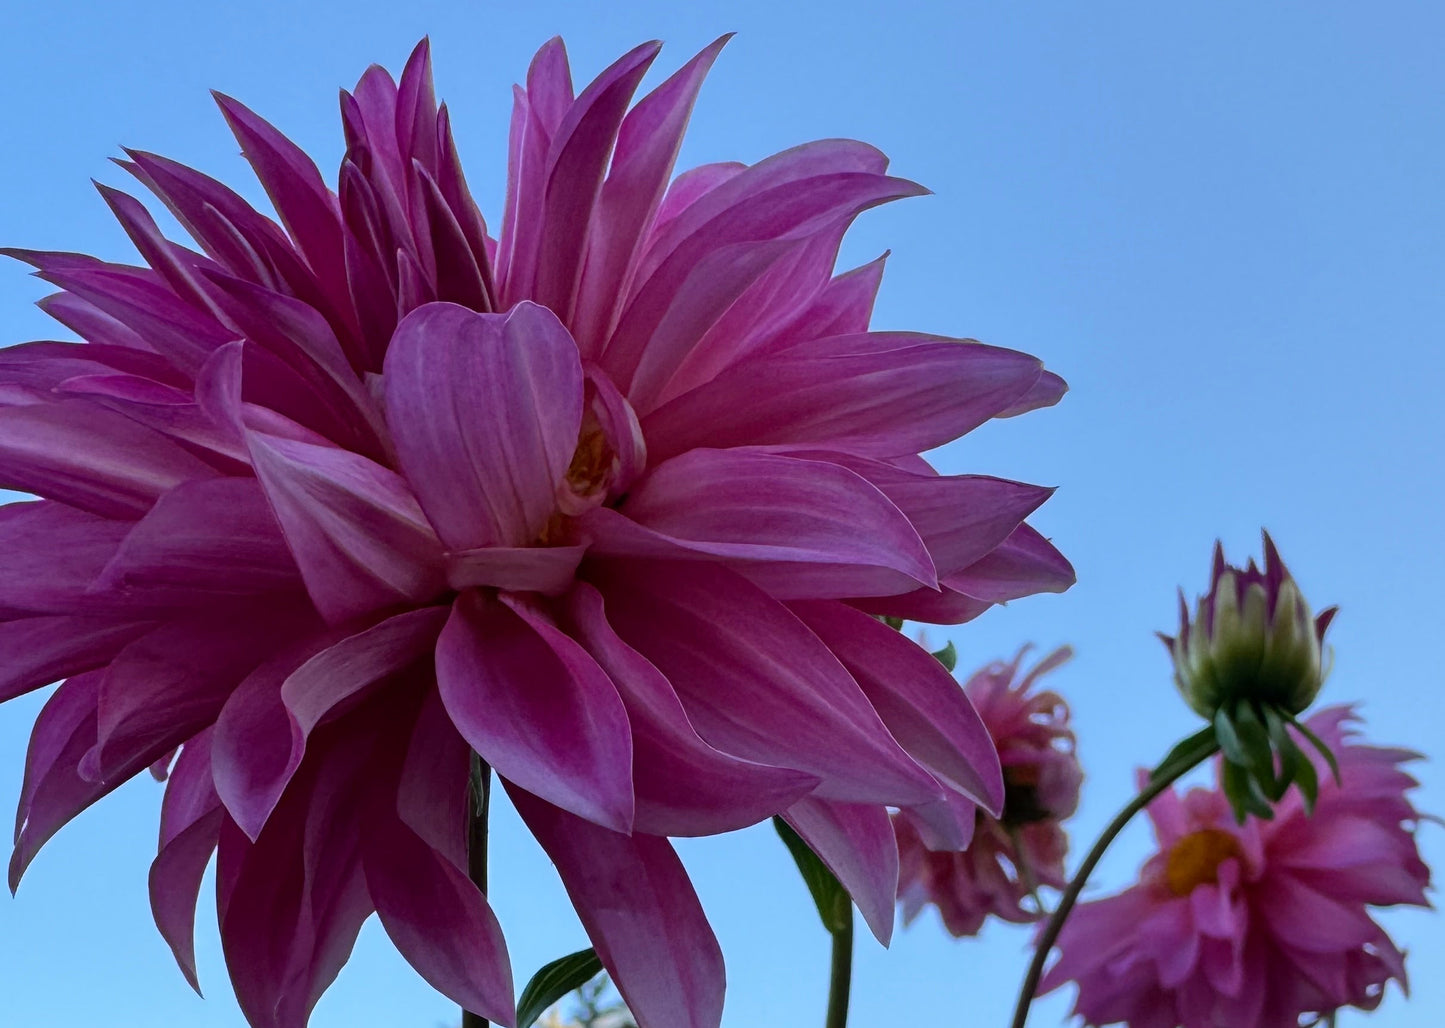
(1223, 223)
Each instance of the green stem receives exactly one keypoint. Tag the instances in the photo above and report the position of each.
(1166, 776)
(480, 797)
(840, 980)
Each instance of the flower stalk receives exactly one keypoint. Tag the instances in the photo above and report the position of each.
(840, 976)
(480, 797)
(1181, 760)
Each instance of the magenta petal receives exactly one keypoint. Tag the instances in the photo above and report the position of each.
(536, 707)
(1023, 564)
(49, 556)
(360, 540)
(873, 402)
(1310, 920)
(39, 650)
(204, 539)
(485, 411)
(684, 786)
(756, 509)
(190, 827)
(433, 792)
(439, 920)
(755, 682)
(91, 458)
(925, 709)
(857, 843)
(641, 913)
(540, 569)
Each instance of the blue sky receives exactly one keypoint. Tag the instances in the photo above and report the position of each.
(1222, 223)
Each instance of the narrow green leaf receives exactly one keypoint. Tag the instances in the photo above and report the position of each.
(1229, 739)
(553, 982)
(1187, 752)
(1253, 736)
(948, 657)
(1244, 793)
(835, 907)
(1319, 744)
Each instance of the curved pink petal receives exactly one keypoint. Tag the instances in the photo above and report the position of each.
(876, 403)
(1023, 564)
(757, 509)
(683, 785)
(536, 707)
(923, 707)
(755, 682)
(438, 919)
(49, 556)
(485, 411)
(641, 913)
(856, 842)
(360, 540)
(37, 651)
(540, 569)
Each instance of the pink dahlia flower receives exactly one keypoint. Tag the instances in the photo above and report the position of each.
(1011, 855)
(609, 499)
(1253, 926)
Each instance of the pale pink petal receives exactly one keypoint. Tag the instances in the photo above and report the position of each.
(541, 569)
(640, 912)
(485, 410)
(855, 841)
(536, 707)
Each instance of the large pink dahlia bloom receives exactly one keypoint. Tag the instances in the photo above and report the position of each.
(609, 499)
(1253, 926)
(1013, 854)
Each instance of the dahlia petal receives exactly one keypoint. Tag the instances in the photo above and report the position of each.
(542, 569)
(842, 307)
(416, 106)
(49, 555)
(942, 606)
(91, 323)
(170, 411)
(262, 731)
(459, 276)
(53, 792)
(157, 251)
(576, 164)
(754, 681)
(919, 701)
(856, 842)
(307, 208)
(433, 790)
(791, 209)
(39, 650)
(190, 827)
(1023, 564)
(439, 920)
(536, 707)
(42, 366)
(1047, 391)
(1311, 921)
(962, 518)
(876, 404)
(759, 508)
(687, 189)
(641, 913)
(549, 83)
(172, 682)
(647, 147)
(209, 538)
(485, 411)
(91, 458)
(360, 540)
(683, 785)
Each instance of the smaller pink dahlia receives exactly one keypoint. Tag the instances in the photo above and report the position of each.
(1255, 925)
(1009, 856)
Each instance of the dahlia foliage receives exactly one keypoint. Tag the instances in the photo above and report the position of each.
(1254, 925)
(1012, 855)
(609, 498)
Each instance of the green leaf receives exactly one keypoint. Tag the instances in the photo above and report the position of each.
(1319, 744)
(948, 657)
(1254, 737)
(1190, 751)
(1245, 796)
(553, 982)
(1229, 739)
(835, 907)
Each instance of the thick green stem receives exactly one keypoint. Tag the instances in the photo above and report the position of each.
(480, 795)
(840, 980)
(1166, 776)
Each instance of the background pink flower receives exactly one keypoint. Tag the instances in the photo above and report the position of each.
(1009, 856)
(609, 499)
(1251, 926)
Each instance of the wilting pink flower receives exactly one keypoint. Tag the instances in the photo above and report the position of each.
(1252, 926)
(609, 499)
(1011, 855)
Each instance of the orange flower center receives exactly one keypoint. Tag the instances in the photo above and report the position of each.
(592, 462)
(1195, 859)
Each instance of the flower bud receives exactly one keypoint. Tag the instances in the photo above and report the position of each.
(1252, 638)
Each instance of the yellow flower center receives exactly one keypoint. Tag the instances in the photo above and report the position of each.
(593, 459)
(1195, 859)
